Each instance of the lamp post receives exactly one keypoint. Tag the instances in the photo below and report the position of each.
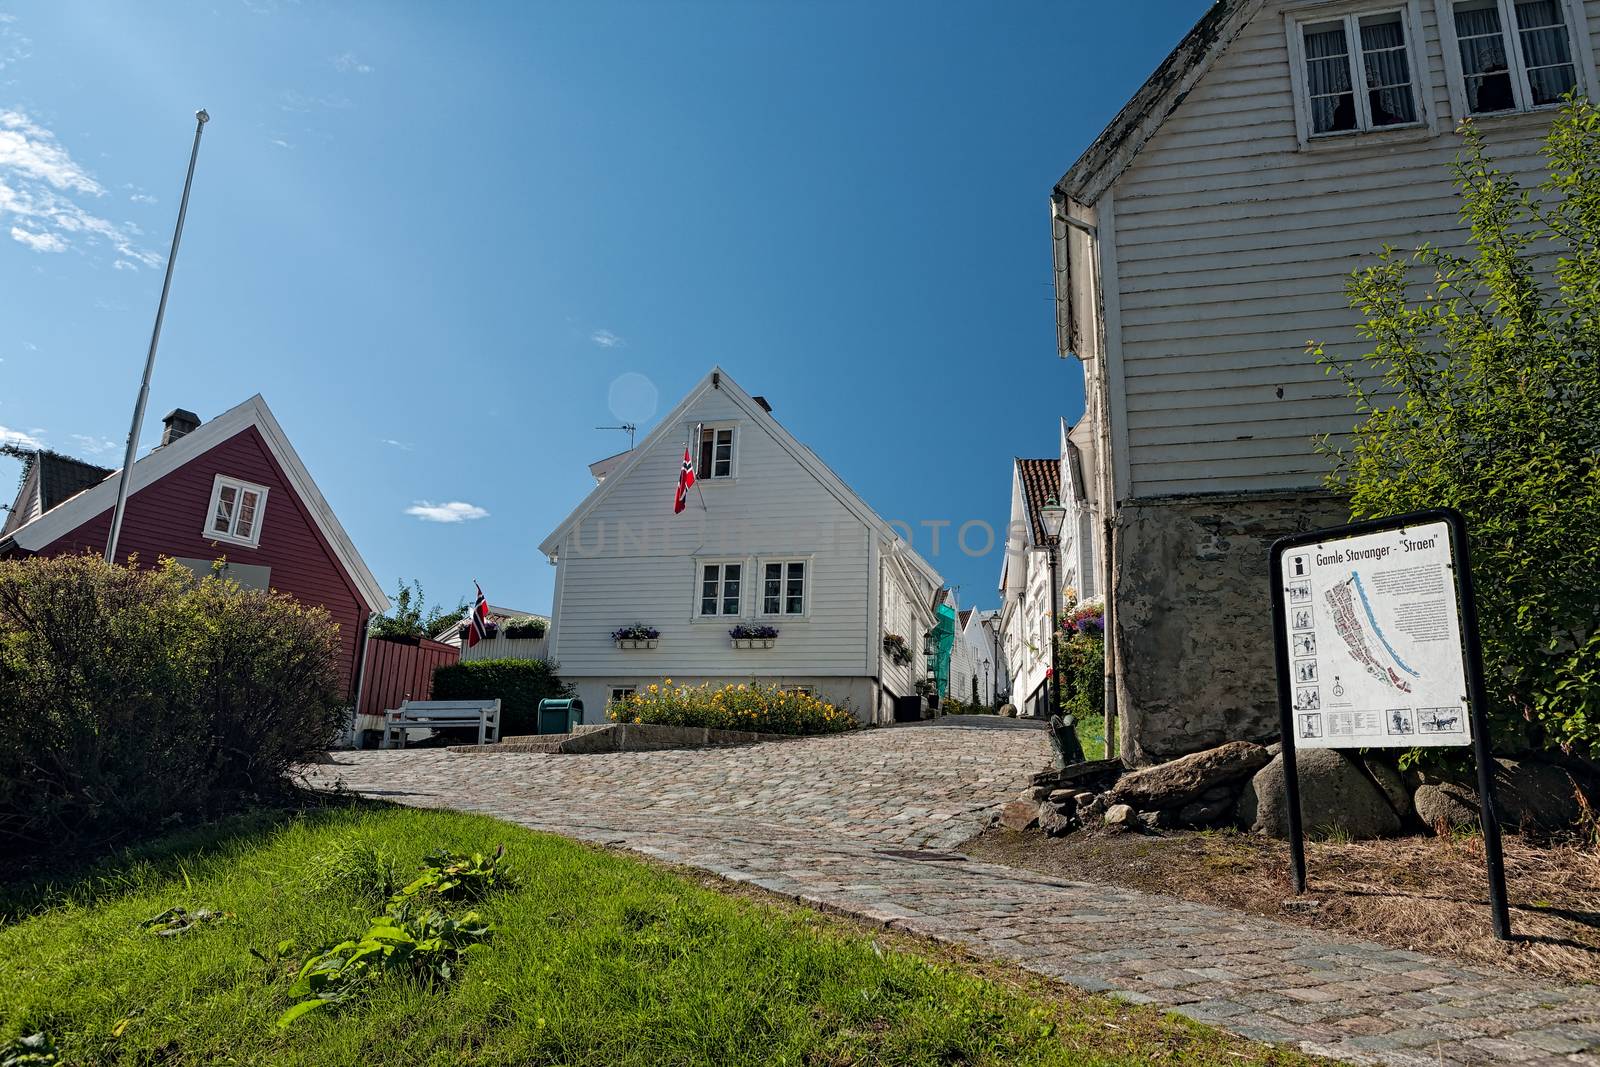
(1052, 517)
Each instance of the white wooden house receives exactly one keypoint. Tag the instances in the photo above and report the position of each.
(770, 537)
(1203, 238)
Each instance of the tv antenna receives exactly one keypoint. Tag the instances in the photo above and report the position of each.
(630, 427)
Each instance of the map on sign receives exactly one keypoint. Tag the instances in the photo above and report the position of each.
(1375, 640)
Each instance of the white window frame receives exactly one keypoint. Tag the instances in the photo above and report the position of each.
(721, 563)
(1416, 60)
(625, 689)
(239, 487)
(1578, 41)
(733, 453)
(783, 590)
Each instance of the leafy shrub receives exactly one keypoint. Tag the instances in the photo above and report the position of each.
(767, 709)
(520, 629)
(1083, 673)
(1481, 392)
(133, 698)
(519, 683)
(411, 616)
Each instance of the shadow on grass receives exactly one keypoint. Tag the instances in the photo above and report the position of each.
(85, 880)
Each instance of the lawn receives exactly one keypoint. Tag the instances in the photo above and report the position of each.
(596, 958)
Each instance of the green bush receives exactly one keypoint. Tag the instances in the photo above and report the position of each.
(519, 629)
(1481, 392)
(134, 698)
(1083, 675)
(519, 683)
(767, 709)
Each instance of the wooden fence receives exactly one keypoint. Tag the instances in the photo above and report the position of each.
(401, 670)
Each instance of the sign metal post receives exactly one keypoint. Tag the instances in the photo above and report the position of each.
(1375, 633)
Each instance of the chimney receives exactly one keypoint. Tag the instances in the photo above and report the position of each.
(763, 402)
(178, 422)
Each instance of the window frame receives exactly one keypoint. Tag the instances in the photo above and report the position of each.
(1350, 15)
(721, 563)
(1578, 43)
(783, 589)
(240, 487)
(613, 689)
(715, 428)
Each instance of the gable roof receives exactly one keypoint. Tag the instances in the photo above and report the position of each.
(48, 479)
(1041, 480)
(102, 496)
(1110, 153)
(760, 416)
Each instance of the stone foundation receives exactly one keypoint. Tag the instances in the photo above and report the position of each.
(1194, 616)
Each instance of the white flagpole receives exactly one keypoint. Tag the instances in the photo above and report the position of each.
(200, 120)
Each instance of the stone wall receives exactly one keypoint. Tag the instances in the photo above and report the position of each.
(1194, 619)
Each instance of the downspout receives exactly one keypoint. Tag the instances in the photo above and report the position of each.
(361, 673)
(1107, 502)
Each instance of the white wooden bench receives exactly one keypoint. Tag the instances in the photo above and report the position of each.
(438, 714)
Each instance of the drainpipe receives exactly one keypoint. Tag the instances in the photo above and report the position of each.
(1107, 482)
(361, 674)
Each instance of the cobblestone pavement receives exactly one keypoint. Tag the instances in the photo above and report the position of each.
(859, 824)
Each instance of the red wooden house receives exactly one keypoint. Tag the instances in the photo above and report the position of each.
(231, 489)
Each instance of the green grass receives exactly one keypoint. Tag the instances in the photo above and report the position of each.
(1091, 731)
(597, 959)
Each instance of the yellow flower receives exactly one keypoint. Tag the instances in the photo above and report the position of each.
(654, 688)
(666, 681)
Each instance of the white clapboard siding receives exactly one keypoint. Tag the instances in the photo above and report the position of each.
(631, 560)
(1234, 244)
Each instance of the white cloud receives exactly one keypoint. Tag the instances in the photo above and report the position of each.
(394, 444)
(142, 198)
(38, 182)
(454, 511)
(281, 143)
(20, 439)
(606, 339)
(94, 445)
(347, 63)
(39, 242)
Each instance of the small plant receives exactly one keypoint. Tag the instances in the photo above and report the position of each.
(923, 687)
(454, 876)
(895, 647)
(753, 633)
(635, 632)
(522, 629)
(767, 709)
(34, 1050)
(353, 869)
(180, 920)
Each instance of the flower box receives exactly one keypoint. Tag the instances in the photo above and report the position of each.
(637, 642)
(754, 642)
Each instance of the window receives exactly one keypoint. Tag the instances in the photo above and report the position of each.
(1358, 74)
(799, 690)
(235, 513)
(783, 587)
(1516, 55)
(619, 693)
(716, 453)
(719, 588)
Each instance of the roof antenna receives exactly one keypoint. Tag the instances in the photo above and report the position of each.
(630, 427)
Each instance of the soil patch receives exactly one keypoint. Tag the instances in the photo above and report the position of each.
(1427, 894)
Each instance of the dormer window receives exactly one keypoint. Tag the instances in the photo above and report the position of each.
(1354, 73)
(715, 453)
(236, 511)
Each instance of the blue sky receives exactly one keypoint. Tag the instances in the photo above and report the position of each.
(447, 241)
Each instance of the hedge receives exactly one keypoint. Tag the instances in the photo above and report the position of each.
(767, 709)
(519, 683)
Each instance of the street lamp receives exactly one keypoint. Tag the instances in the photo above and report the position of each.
(1053, 517)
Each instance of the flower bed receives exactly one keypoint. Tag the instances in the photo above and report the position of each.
(745, 706)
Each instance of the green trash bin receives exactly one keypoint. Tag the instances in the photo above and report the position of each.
(559, 715)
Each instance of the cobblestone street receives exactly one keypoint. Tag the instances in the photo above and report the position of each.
(860, 824)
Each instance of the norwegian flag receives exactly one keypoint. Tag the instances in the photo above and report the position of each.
(478, 623)
(685, 482)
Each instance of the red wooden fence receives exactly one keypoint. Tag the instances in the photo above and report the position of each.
(401, 670)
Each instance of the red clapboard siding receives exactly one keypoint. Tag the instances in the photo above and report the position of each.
(168, 518)
(402, 670)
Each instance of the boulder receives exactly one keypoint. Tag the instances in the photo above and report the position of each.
(1020, 815)
(1121, 817)
(1180, 781)
(1206, 812)
(1445, 806)
(1008, 711)
(1058, 819)
(1393, 786)
(1335, 795)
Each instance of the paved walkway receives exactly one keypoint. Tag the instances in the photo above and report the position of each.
(859, 824)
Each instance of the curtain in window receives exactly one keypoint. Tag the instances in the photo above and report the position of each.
(1545, 50)
(1383, 53)
(1328, 78)
(1483, 58)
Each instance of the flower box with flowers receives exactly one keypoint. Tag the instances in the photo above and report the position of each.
(754, 636)
(636, 636)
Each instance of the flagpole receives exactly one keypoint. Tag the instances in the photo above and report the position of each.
(200, 120)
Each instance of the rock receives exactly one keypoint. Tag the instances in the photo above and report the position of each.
(1335, 794)
(1008, 710)
(1120, 817)
(1091, 807)
(1064, 796)
(1020, 815)
(1035, 793)
(1174, 784)
(1445, 806)
(1393, 787)
(1205, 812)
(1275, 748)
(1057, 819)
(1532, 795)
(1151, 819)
